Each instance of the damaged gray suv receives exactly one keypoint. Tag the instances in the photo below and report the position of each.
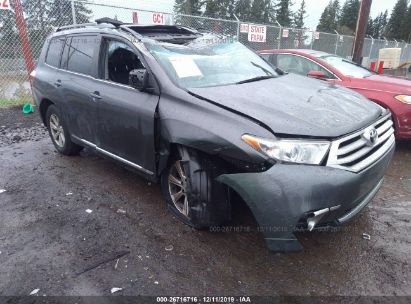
(206, 117)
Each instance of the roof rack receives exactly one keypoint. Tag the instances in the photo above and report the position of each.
(114, 22)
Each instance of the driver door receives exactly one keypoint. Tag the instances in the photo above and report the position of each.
(125, 116)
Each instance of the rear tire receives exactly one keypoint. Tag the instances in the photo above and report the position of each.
(59, 133)
(191, 192)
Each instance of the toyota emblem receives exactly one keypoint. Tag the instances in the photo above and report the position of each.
(371, 136)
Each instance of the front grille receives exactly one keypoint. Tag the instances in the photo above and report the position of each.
(356, 152)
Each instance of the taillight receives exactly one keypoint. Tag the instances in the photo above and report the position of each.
(32, 76)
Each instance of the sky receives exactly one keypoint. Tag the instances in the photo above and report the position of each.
(314, 8)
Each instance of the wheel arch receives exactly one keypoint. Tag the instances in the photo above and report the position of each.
(44, 105)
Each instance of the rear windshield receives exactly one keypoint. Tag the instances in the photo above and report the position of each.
(207, 62)
(346, 67)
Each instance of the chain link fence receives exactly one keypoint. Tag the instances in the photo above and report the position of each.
(43, 16)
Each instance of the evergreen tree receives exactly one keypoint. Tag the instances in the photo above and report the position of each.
(394, 30)
(262, 11)
(300, 16)
(213, 8)
(220, 8)
(406, 26)
(329, 18)
(37, 21)
(228, 9)
(243, 10)
(188, 7)
(283, 12)
(61, 13)
(349, 16)
(370, 27)
(378, 25)
(8, 32)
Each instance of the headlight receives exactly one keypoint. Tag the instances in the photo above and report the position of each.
(290, 150)
(404, 98)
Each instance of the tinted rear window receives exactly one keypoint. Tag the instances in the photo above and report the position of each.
(81, 51)
(54, 52)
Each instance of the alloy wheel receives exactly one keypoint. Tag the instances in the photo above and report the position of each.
(57, 131)
(177, 184)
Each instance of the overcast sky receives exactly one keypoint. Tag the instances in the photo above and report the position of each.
(314, 8)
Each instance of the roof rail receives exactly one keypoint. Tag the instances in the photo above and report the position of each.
(102, 22)
(73, 26)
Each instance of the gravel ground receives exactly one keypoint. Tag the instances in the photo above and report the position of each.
(83, 225)
(18, 127)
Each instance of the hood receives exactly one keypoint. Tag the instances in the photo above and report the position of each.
(297, 105)
(392, 84)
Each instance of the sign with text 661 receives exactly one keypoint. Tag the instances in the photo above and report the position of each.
(157, 18)
(4, 4)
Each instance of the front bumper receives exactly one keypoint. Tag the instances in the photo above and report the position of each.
(285, 196)
(403, 122)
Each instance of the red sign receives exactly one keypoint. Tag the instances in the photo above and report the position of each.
(135, 17)
(257, 33)
(244, 28)
(4, 4)
(158, 18)
(285, 33)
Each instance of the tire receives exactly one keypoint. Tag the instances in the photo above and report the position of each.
(205, 202)
(59, 133)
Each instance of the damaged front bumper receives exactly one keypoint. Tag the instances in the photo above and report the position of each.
(289, 196)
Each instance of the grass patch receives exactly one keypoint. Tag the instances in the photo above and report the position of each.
(6, 103)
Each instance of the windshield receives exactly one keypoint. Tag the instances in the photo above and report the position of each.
(206, 64)
(346, 67)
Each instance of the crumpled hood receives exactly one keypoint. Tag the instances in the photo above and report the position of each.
(297, 105)
(387, 83)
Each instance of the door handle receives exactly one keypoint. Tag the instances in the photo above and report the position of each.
(95, 95)
(58, 83)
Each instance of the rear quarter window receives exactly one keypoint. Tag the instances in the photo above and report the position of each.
(81, 53)
(54, 52)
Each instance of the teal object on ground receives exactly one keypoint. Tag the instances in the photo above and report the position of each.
(28, 108)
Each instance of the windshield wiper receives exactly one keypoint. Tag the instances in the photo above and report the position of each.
(258, 78)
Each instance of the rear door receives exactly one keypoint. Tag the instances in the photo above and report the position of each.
(78, 72)
(125, 115)
(48, 74)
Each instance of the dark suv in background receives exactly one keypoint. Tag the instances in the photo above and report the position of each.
(206, 117)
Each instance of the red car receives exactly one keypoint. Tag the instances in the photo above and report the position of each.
(390, 92)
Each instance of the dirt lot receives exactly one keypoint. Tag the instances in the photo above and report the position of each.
(49, 242)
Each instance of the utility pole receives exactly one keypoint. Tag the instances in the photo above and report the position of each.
(73, 12)
(24, 37)
(362, 23)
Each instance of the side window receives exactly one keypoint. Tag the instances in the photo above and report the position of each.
(286, 63)
(119, 60)
(300, 65)
(80, 54)
(266, 57)
(64, 57)
(54, 52)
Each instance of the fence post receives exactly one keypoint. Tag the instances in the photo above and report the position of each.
(336, 43)
(372, 44)
(312, 39)
(238, 27)
(279, 35)
(73, 12)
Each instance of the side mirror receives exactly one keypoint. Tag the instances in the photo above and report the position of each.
(138, 79)
(317, 74)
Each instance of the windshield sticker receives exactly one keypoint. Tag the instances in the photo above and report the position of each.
(185, 67)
